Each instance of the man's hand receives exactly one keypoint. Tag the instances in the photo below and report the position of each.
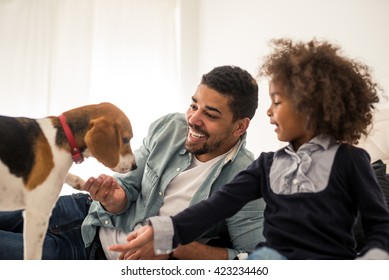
(107, 190)
(136, 240)
(140, 246)
(146, 252)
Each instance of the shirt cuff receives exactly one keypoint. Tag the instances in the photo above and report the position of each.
(374, 254)
(163, 234)
(236, 254)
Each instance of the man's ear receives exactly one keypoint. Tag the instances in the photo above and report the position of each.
(242, 126)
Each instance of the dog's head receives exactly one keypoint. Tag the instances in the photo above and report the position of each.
(108, 138)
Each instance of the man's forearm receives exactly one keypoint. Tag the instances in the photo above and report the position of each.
(199, 251)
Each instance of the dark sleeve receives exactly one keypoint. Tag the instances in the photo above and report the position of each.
(191, 223)
(379, 168)
(372, 207)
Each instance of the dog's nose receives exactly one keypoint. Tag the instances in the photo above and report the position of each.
(134, 166)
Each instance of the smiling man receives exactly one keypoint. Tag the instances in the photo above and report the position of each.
(184, 159)
(220, 130)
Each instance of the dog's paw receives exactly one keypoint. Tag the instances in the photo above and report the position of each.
(74, 181)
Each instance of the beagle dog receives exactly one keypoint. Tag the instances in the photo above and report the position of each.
(36, 155)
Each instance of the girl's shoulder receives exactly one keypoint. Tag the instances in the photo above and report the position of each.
(352, 158)
(352, 152)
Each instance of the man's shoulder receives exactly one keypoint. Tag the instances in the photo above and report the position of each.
(242, 160)
(173, 116)
(167, 129)
(243, 154)
(178, 118)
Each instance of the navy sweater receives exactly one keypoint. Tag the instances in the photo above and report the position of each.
(302, 225)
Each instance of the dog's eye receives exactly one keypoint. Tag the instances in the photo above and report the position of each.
(126, 140)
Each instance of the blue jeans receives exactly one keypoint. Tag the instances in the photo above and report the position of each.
(63, 240)
(265, 253)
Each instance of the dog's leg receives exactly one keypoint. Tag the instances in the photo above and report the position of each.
(39, 205)
(35, 227)
(74, 181)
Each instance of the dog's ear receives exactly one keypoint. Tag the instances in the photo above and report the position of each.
(102, 140)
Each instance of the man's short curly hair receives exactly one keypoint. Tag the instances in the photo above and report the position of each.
(239, 85)
(336, 93)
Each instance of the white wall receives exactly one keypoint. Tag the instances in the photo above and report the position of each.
(211, 33)
(237, 32)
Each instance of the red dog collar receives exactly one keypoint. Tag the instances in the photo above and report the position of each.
(76, 153)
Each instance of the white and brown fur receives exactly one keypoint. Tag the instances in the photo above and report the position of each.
(35, 158)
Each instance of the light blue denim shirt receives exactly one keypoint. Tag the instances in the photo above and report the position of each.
(161, 157)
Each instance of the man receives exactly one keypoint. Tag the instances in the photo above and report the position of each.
(184, 159)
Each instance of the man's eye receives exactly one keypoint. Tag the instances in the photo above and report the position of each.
(211, 116)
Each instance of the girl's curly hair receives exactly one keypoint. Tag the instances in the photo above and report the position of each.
(336, 93)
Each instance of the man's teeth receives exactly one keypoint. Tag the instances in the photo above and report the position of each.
(197, 135)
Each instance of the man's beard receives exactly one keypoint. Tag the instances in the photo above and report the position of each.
(204, 149)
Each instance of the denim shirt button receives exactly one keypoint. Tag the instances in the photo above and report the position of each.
(160, 193)
(178, 169)
(106, 222)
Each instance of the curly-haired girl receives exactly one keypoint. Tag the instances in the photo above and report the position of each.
(321, 103)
